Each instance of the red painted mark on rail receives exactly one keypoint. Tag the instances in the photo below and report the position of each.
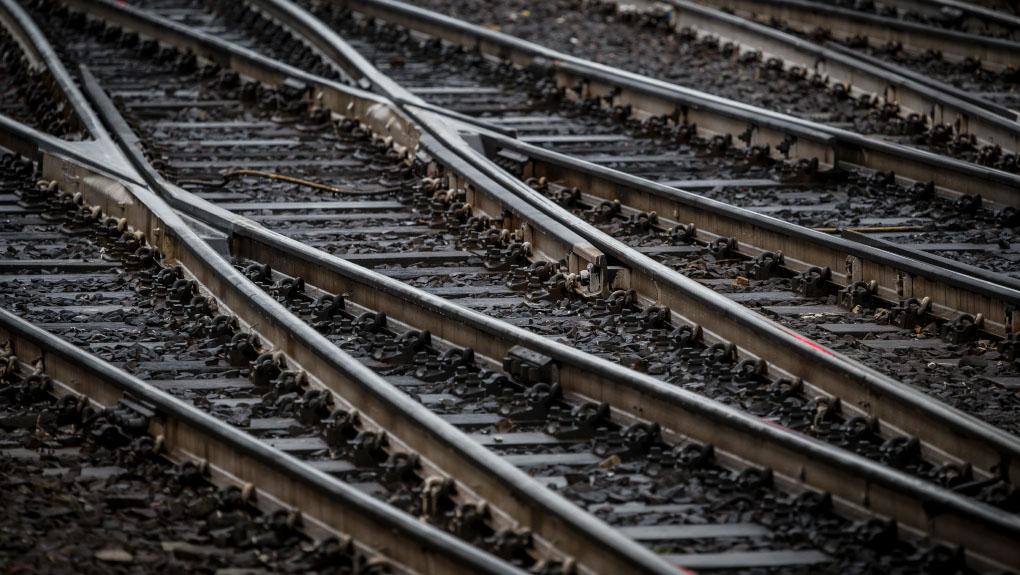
(807, 341)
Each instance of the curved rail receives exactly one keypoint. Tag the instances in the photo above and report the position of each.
(510, 492)
(900, 273)
(932, 83)
(801, 460)
(596, 377)
(1007, 21)
(41, 54)
(242, 459)
(651, 97)
(806, 16)
(942, 103)
(546, 236)
(960, 435)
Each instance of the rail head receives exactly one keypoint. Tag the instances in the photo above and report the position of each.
(752, 439)
(806, 16)
(754, 333)
(831, 145)
(546, 512)
(236, 453)
(601, 80)
(502, 177)
(609, 381)
(39, 51)
(937, 85)
(947, 501)
(385, 119)
(941, 102)
(995, 287)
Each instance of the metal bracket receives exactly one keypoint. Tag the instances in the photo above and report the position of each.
(530, 366)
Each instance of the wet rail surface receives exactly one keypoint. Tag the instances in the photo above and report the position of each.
(404, 229)
(396, 195)
(961, 231)
(98, 487)
(604, 32)
(457, 268)
(717, 168)
(970, 372)
(947, 16)
(554, 427)
(997, 87)
(79, 277)
(970, 73)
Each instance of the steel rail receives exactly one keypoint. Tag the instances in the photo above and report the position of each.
(786, 351)
(508, 488)
(1005, 21)
(857, 482)
(893, 403)
(974, 446)
(929, 81)
(799, 460)
(479, 473)
(42, 57)
(951, 266)
(548, 239)
(591, 383)
(953, 288)
(238, 458)
(142, 210)
(712, 114)
(997, 6)
(806, 17)
(941, 105)
(512, 494)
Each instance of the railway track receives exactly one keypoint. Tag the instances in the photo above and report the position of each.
(375, 169)
(948, 14)
(116, 334)
(657, 165)
(648, 150)
(983, 51)
(221, 388)
(741, 59)
(58, 448)
(581, 180)
(299, 219)
(980, 62)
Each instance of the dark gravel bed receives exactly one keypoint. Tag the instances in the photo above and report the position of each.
(822, 200)
(614, 328)
(946, 18)
(962, 374)
(605, 326)
(596, 31)
(84, 491)
(25, 95)
(159, 328)
(637, 467)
